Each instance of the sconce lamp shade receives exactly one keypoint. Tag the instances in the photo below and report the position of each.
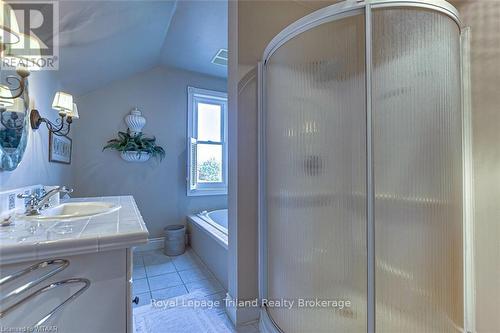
(63, 102)
(18, 106)
(74, 112)
(5, 92)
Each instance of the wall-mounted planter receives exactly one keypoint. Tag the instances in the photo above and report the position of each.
(133, 145)
(134, 156)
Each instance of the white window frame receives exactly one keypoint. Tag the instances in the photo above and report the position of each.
(196, 95)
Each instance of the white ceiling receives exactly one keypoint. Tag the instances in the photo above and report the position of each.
(197, 31)
(104, 41)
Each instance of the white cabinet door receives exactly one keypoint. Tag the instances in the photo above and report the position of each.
(103, 308)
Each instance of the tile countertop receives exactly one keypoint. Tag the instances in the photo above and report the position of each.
(25, 241)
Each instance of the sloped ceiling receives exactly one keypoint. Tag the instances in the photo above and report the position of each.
(197, 31)
(104, 41)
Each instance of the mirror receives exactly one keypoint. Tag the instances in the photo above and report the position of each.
(14, 127)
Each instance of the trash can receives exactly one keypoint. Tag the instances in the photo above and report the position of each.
(175, 240)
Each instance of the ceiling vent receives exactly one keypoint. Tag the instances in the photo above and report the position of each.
(220, 58)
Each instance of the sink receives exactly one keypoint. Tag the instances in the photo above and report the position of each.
(73, 211)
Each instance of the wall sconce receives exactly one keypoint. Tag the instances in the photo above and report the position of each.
(63, 103)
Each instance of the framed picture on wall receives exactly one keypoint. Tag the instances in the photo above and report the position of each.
(60, 149)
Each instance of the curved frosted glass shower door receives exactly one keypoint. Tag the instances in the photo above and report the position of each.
(361, 170)
(315, 177)
(417, 149)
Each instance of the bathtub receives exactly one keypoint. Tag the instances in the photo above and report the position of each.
(208, 238)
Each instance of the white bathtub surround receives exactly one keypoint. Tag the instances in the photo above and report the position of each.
(24, 241)
(214, 223)
(216, 218)
(208, 238)
(135, 121)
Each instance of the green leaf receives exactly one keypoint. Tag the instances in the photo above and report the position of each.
(138, 143)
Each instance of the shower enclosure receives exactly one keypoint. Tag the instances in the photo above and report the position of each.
(362, 170)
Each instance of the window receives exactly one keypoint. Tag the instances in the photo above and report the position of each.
(207, 148)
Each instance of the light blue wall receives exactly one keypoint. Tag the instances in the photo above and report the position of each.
(159, 189)
(35, 167)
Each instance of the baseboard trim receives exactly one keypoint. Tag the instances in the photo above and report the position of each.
(153, 244)
(240, 316)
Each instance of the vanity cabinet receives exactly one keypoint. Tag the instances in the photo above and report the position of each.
(93, 252)
(105, 307)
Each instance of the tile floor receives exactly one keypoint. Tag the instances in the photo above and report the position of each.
(157, 276)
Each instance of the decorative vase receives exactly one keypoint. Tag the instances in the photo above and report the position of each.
(135, 121)
(135, 156)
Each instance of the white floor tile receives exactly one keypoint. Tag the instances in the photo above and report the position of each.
(137, 259)
(140, 286)
(188, 260)
(139, 273)
(169, 292)
(164, 281)
(224, 319)
(169, 277)
(166, 267)
(195, 274)
(206, 287)
(248, 329)
(220, 297)
(154, 258)
(144, 298)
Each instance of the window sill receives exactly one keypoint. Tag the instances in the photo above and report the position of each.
(198, 193)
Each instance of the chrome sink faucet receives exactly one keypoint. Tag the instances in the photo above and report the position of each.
(37, 203)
